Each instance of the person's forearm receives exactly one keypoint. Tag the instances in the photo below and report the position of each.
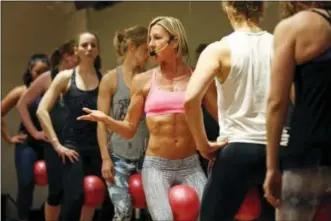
(103, 141)
(26, 118)
(4, 132)
(194, 119)
(46, 125)
(275, 122)
(123, 128)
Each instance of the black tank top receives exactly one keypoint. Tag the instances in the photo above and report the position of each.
(80, 135)
(32, 108)
(310, 140)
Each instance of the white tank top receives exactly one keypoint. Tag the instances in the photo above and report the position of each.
(242, 98)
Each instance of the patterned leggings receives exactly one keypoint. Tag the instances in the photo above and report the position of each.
(119, 192)
(159, 175)
(303, 191)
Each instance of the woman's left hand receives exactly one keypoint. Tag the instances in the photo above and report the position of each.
(93, 115)
(273, 187)
(209, 152)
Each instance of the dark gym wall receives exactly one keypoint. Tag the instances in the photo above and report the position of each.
(204, 21)
(27, 28)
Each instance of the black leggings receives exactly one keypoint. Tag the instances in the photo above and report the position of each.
(54, 166)
(89, 163)
(238, 168)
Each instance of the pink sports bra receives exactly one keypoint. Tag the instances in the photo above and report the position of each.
(160, 101)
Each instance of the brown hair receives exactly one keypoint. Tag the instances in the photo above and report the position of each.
(247, 10)
(66, 48)
(289, 8)
(136, 34)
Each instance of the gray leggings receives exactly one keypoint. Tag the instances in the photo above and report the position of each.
(303, 191)
(159, 175)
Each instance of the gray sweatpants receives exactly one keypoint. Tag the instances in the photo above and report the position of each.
(159, 175)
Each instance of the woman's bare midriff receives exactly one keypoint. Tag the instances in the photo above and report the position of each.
(170, 137)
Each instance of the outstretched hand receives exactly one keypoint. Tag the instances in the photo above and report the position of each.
(92, 115)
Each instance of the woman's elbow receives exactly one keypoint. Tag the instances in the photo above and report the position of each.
(190, 102)
(19, 106)
(41, 112)
(275, 105)
(129, 134)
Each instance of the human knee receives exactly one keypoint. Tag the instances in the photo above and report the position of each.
(54, 199)
(72, 207)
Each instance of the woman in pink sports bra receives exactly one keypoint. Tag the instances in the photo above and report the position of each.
(171, 156)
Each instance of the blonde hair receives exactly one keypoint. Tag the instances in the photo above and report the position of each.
(136, 34)
(175, 29)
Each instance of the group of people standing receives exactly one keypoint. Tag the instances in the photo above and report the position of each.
(130, 120)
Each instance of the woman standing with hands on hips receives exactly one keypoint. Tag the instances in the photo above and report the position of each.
(62, 58)
(79, 148)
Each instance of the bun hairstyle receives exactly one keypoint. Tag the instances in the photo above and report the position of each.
(246, 10)
(137, 35)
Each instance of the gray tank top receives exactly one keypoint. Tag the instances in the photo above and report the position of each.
(130, 149)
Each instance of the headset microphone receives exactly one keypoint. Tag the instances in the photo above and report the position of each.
(155, 52)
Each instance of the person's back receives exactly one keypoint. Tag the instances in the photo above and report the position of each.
(310, 143)
(303, 55)
(242, 108)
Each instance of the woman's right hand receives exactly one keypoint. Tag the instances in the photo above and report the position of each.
(93, 115)
(40, 135)
(19, 138)
(108, 171)
(66, 152)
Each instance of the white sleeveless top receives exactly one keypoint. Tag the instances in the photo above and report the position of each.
(242, 98)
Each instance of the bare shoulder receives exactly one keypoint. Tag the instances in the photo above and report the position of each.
(43, 80)
(218, 49)
(110, 75)
(144, 77)
(62, 81)
(64, 75)
(142, 81)
(108, 81)
(18, 90)
(295, 25)
(45, 75)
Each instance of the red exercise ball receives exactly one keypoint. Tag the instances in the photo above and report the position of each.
(251, 207)
(94, 191)
(40, 173)
(323, 212)
(137, 191)
(184, 202)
